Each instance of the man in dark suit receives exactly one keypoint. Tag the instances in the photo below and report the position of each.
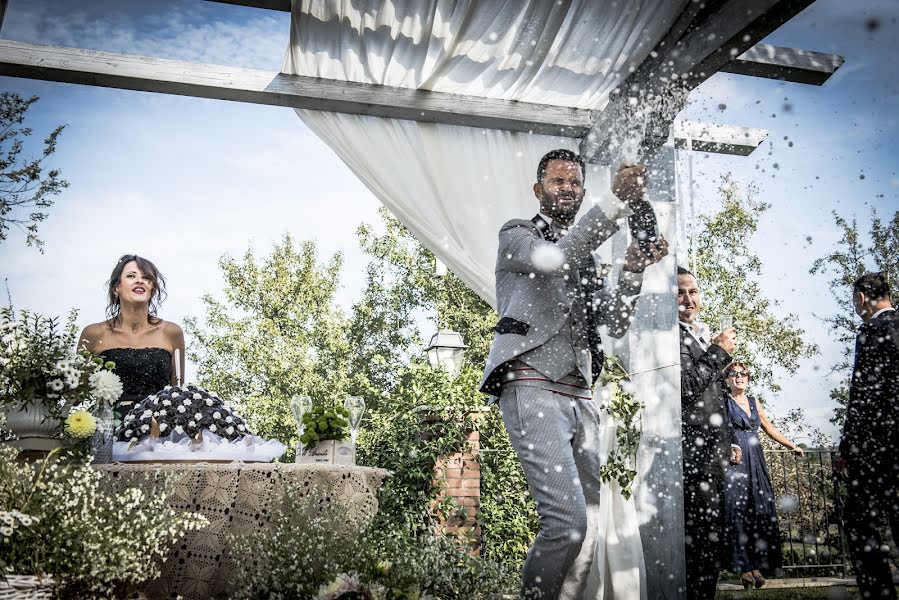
(870, 441)
(544, 357)
(708, 440)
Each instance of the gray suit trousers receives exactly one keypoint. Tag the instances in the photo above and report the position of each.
(556, 438)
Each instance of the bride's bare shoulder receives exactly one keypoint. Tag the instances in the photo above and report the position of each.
(172, 332)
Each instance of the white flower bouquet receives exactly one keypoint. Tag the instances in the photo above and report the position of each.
(40, 367)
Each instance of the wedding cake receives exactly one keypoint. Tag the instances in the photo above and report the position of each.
(188, 423)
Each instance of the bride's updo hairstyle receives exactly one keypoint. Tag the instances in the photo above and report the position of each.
(152, 275)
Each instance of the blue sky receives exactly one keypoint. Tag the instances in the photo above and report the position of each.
(185, 180)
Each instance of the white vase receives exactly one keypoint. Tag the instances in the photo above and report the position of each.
(329, 452)
(32, 428)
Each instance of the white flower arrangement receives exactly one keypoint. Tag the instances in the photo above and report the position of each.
(11, 520)
(82, 533)
(106, 386)
(39, 366)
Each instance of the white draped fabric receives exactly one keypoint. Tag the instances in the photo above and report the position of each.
(454, 186)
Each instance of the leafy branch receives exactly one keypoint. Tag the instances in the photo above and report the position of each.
(26, 190)
(627, 411)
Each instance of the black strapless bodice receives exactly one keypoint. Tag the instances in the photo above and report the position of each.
(143, 371)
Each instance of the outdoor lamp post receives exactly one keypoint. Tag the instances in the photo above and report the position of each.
(446, 351)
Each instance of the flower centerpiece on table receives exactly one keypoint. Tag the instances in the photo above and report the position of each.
(324, 436)
(41, 370)
(324, 423)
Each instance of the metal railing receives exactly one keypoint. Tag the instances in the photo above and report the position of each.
(809, 510)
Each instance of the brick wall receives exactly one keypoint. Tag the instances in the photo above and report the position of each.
(458, 478)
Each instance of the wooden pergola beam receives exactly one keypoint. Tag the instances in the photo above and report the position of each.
(734, 28)
(785, 64)
(282, 5)
(718, 139)
(706, 37)
(149, 74)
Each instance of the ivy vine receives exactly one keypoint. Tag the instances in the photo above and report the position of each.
(621, 465)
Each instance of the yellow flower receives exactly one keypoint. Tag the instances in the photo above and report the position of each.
(81, 424)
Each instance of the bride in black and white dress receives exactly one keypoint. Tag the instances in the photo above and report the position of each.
(148, 352)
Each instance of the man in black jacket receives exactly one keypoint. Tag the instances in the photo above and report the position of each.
(870, 438)
(708, 439)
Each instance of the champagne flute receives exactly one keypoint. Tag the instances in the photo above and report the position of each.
(300, 405)
(355, 405)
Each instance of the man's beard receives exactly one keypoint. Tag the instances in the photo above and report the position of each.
(553, 208)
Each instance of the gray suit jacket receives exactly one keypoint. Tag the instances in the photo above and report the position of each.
(535, 300)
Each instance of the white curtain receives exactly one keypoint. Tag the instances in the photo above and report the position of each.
(454, 186)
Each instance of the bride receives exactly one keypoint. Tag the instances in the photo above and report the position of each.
(148, 352)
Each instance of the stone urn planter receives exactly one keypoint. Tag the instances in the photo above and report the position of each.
(32, 427)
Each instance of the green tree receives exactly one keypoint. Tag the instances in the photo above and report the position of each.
(26, 189)
(728, 271)
(852, 258)
(401, 290)
(277, 332)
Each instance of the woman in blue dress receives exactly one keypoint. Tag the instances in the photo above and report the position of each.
(750, 507)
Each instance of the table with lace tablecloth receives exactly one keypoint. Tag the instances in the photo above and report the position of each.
(236, 498)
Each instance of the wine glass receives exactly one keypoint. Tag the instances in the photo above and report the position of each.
(300, 405)
(355, 405)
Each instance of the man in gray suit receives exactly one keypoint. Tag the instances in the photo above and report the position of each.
(546, 356)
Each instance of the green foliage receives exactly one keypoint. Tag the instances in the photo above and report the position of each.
(324, 423)
(794, 425)
(794, 593)
(311, 548)
(26, 191)
(40, 371)
(398, 434)
(401, 287)
(508, 513)
(728, 273)
(852, 258)
(427, 416)
(621, 465)
(276, 333)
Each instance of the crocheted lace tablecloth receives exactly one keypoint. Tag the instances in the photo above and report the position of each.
(236, 498)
